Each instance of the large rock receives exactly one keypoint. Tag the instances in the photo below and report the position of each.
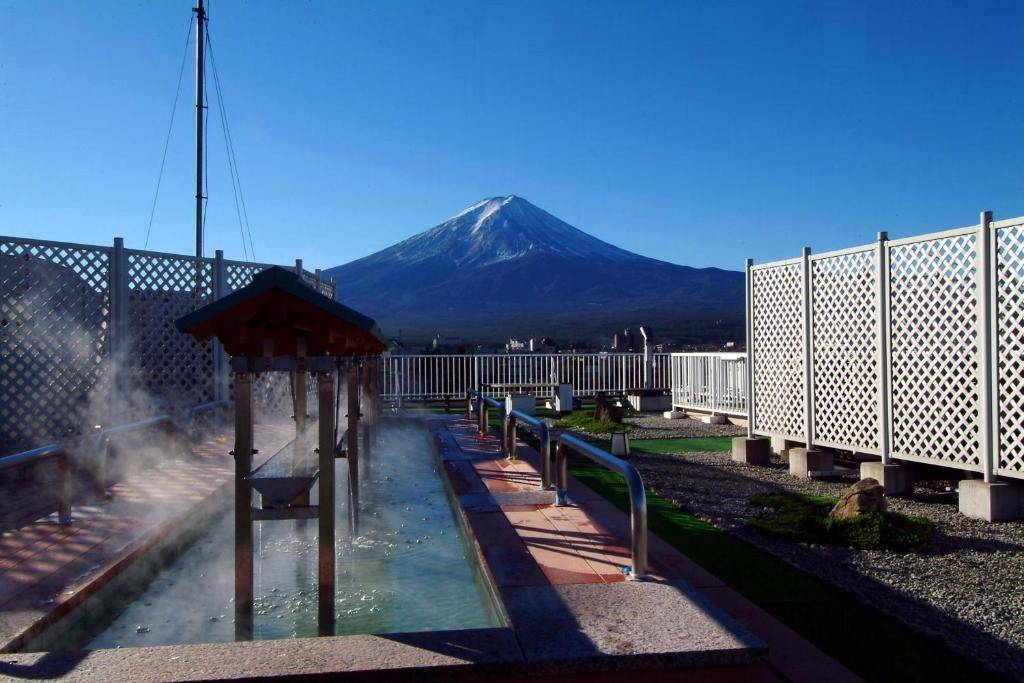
(867, 495)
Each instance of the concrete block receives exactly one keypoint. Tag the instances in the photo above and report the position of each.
(715, 420)
(781, 445)
(991, 502)
(894, 477)
(674, 414)
(803, 461)
(524, 403)
(650, 404)
(751, 451)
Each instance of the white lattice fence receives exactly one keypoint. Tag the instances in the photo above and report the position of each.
(921, 360)
(54, 340)
(933, 336)
(1010, 344)
(169, 367)
(778, 343)
(846, 360)
(87, 337)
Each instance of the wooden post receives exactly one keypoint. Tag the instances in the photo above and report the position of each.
(325, 509)
(352, 382)
(884, 359)
(243, 505)
(808, 349)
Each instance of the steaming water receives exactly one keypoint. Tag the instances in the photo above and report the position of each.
(409, 568)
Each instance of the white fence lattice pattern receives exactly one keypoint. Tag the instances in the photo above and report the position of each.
(778, 344)
(933, 338)
(170, 367)
(1010, 356)
(846, 369)
(54, 339)
(60, 326)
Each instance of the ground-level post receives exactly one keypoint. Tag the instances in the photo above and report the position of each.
(325, 509)
(243, 505)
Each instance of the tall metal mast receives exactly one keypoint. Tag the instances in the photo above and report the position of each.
(200, 106)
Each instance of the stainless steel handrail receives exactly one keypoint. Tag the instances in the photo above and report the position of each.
(36, 455)
(103, 440)
(637, 497)
(225, 406)
(541, 427)
(482, 403)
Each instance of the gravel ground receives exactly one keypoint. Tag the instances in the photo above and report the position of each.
(965, 588)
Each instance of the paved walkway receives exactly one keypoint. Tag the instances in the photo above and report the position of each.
(46, 570)
(529, 542)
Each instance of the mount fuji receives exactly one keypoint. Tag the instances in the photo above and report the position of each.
(504, 267)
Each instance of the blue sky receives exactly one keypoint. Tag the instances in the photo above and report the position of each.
(695, 132)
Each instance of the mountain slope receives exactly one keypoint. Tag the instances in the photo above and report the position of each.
(504, 267)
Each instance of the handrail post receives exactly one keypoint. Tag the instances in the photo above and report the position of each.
(637, 495)
(545, 456)
(510, 435)
(64, 504)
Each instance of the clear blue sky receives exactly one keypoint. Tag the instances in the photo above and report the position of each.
(696, 132)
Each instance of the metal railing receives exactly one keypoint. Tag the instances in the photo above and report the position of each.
(439, 376)
(102, 453)
(712, 382)
(541, 427)
(37, 455)
(190, 416)
(637, 496)
(482, 403)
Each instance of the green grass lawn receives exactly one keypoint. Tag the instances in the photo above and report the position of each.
(663, 446)
(584, 419)
(871, 644)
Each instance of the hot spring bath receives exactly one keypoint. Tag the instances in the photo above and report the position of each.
(410, 567)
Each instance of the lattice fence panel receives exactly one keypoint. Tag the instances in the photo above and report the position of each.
(778, 349)
(844, 311)
(54, 341)
(934, 347)
(1010, 356)
(171, 369)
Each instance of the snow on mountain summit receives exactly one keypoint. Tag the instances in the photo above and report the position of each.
(501, 229)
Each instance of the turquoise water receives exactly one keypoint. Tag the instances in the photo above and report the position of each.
(410, 567)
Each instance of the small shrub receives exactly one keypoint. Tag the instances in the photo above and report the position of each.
(585, 420)
(804, 518)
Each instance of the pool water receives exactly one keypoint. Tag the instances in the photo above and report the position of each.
(409, 567)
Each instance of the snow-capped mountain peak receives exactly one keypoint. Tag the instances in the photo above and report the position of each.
(501, 229)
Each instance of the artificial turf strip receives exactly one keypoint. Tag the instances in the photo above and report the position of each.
(707, 444)
(873, 645)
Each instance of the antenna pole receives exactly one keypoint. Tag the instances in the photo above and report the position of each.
(200, 106)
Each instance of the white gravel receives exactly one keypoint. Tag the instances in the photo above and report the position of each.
(965, 588)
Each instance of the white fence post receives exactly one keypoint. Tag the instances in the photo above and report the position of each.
(750, 347)
(119, 345)
(808, 353)
(883, 360)
(988, 398)
(220, 359)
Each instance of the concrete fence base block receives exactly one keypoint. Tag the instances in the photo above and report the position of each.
(751, 451)
(894, 477)
(803, 461)
(714, 419)
(674, 414)
(991, 501)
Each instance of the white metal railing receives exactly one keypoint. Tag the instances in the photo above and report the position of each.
(430, 376)
(910, 349)
(713, 382)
